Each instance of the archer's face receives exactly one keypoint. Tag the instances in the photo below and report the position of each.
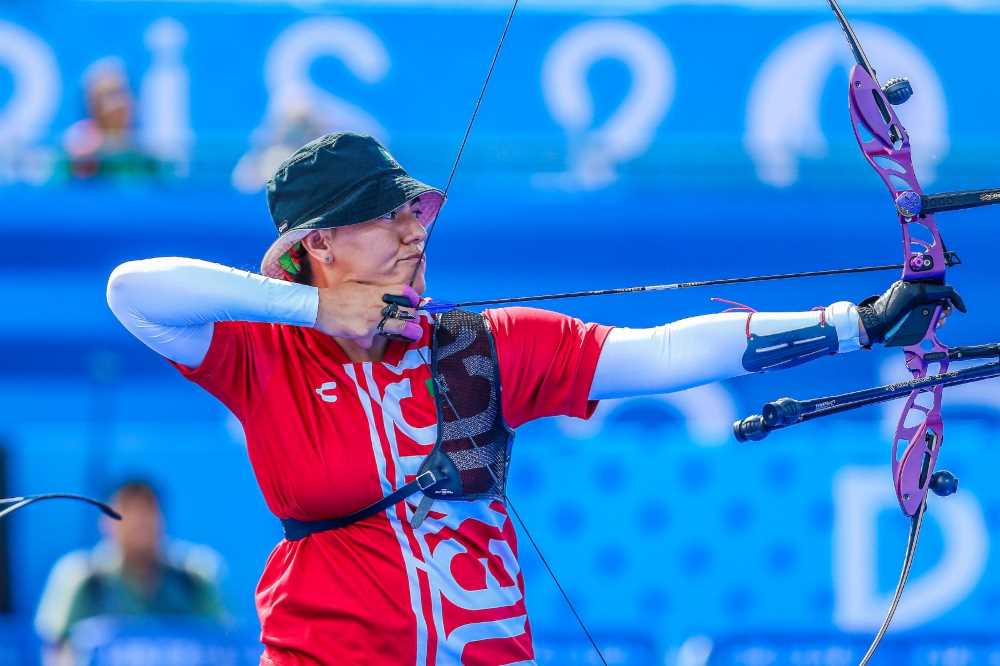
(382, 251)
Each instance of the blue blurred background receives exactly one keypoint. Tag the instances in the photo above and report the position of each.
(620, 143)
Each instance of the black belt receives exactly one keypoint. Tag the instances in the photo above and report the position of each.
(300, 529)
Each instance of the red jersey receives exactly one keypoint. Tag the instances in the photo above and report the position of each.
(327, 436)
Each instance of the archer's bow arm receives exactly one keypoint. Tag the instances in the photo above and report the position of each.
(700, 350)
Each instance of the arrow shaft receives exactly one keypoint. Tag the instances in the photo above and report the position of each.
(952, 260)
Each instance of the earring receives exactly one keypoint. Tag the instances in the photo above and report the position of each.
(327, 259)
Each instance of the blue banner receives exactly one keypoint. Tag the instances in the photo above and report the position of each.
(578, 102)
(656, 143)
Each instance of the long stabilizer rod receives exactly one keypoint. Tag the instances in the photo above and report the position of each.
(948, 201)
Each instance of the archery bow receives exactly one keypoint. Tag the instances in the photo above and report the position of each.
(920, 427)
(919, 432)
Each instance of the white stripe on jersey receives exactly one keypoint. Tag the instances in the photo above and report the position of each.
(387, 488)
(437, 565)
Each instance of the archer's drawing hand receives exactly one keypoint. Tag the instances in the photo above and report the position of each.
(900, 316)
(355, 311)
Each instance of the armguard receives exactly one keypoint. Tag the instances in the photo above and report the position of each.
(773, 344)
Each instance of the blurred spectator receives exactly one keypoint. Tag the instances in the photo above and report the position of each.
(133, 573)
(103, 145)
(296, 125)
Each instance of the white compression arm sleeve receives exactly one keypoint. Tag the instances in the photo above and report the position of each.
(171, 304)
(700, 350)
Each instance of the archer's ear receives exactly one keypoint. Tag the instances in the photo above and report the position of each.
(318, 240)
(319, 244)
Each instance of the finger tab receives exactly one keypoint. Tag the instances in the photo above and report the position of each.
(410, 293)
(412, 330)
(393, 299)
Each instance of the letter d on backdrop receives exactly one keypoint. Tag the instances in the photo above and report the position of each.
(861, 495)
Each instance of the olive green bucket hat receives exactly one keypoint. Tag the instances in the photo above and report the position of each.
(335, 181)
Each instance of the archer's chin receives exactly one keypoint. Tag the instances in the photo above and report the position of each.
(420, 284)
(420, 280)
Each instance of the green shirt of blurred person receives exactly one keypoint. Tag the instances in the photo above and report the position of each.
(131, 574)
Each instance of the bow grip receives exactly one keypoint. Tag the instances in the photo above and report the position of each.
(913, 328)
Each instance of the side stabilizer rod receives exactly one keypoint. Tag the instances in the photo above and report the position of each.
(785, 412)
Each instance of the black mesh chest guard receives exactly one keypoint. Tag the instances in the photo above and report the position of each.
(471, 457)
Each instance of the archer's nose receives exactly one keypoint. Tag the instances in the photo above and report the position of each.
(412, 230)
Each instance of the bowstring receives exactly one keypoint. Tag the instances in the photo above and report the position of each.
(468, 132)
(548, 567)
(438, 387)
(503, 486)
(904, 575)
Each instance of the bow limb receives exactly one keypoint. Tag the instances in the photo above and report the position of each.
(916, 522)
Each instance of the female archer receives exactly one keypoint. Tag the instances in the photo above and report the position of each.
(388, 479)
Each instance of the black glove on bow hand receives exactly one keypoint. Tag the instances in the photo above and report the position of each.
(901, 315)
